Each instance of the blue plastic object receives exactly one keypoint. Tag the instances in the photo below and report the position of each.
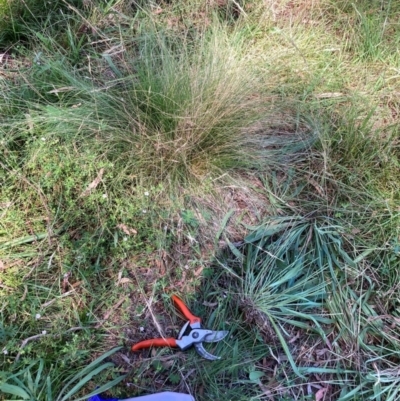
(98, 398)
(165, 396)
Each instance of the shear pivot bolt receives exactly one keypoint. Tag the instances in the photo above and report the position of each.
(195, 334)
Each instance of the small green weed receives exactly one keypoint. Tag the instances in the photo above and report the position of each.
(36, 381)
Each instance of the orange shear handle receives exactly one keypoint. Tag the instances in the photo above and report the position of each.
(185, 310)
(155, 342)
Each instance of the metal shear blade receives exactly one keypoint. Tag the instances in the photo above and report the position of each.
(215, 336)
(205, 354)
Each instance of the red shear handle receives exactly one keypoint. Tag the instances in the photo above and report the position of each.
(155, 342)
(185, 310)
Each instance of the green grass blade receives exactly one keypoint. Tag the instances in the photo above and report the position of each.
(39, 373)
(234, 249)
(29, 380)
(103, 388)
(23, 240)
(229, 270)
(314, 370)
(14, 390)
(49, 389)
(267, 232)
(85, 379)
(223, 224)
(111, 64)
(285, 348)
(88, 369)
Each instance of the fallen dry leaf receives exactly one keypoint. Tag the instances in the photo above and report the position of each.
(211, 304)
(182, 283)
(295, 338)
(319, 395)
(322, 351)
(65, 282)
(125, 280)
(111, 310)
(198, 271)
(127, 230)
(112, 51)
(62, 89)
(125, 358)
(328, 95)
(160, 265)
(93, 184)
(317, 187)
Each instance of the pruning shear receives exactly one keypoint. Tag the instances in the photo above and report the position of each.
(195, 336)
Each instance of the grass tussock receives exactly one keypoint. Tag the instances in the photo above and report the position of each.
(301, 282)
(177, 117)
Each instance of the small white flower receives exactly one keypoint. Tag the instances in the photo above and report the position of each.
(104, 196)
(43, 138)
(5, 352)
(144, 211)
(141, 328)
(125, 238)
(88, 314)
(146, 193)
(44, 332)
(38, 316)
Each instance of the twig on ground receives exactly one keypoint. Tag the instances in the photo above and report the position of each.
(153, 316)
(240, 8)
(48, 303)
(24, 294)
(5, 287)
(35, 337)
(110, 311)
(26, 341)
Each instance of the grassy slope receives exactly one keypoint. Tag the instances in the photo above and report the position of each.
(95, 234)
